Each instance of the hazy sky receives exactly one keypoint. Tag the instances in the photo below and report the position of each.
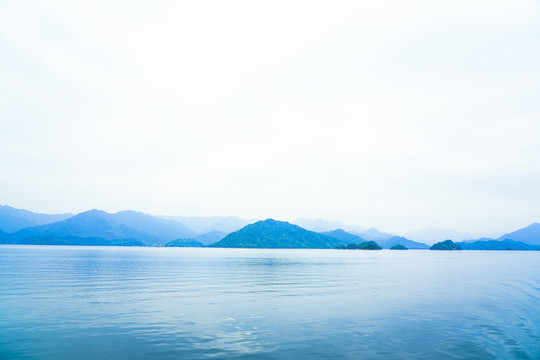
(393, 114)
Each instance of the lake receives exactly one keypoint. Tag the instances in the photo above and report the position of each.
(70, 302)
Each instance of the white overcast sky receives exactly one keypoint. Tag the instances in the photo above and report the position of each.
(393, 114)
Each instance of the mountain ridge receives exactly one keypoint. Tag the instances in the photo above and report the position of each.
(131, 227)
(13, 220)
(529, 234)
(100, 224)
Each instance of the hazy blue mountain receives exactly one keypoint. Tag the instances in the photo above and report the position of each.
(160, 228)
(93, 223)
(431, 235)
(210, 237)
(277, 234)
(12, 220)
(373, 234)
(201, 240)
(480, 239)
(100, 224)
(492, 235)
(528, 235)
(202, 224)
(398, 240)
(322, 225)
(491, 244)
(446, 245)
(184, 243)
(344, 236)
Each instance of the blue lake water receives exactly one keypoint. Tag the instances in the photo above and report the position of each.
(190, 303)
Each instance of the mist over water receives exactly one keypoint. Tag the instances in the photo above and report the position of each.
(197, 303)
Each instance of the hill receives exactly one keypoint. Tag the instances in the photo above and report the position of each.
(125, 225)
(344, 236)
(529, 235)
(398, 240)
(12, 220)
(277, 234)
(445, 245)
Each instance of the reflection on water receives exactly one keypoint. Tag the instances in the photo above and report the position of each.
(193, 303)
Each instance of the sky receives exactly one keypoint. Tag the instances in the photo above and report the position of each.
(393, 114)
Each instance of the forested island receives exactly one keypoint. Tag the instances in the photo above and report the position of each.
(446, 245)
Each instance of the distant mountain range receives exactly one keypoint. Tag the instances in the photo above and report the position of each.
(344, 236)
(373, 234)
(431, 235)
(277, 234)
(96, 227)
(398, 240)
(201, 225)
(528, 235)
(384, 242)
(101, 227)
(210, 237)
(199, 241)
(322, 225)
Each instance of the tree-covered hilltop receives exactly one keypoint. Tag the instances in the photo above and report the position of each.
(274, 234)
(184, 243)
(446, 245)
(399, 247)
(366, 245)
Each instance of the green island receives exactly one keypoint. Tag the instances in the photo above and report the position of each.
(446, 245)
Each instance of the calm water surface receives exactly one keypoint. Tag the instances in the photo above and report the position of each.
(188, 303)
